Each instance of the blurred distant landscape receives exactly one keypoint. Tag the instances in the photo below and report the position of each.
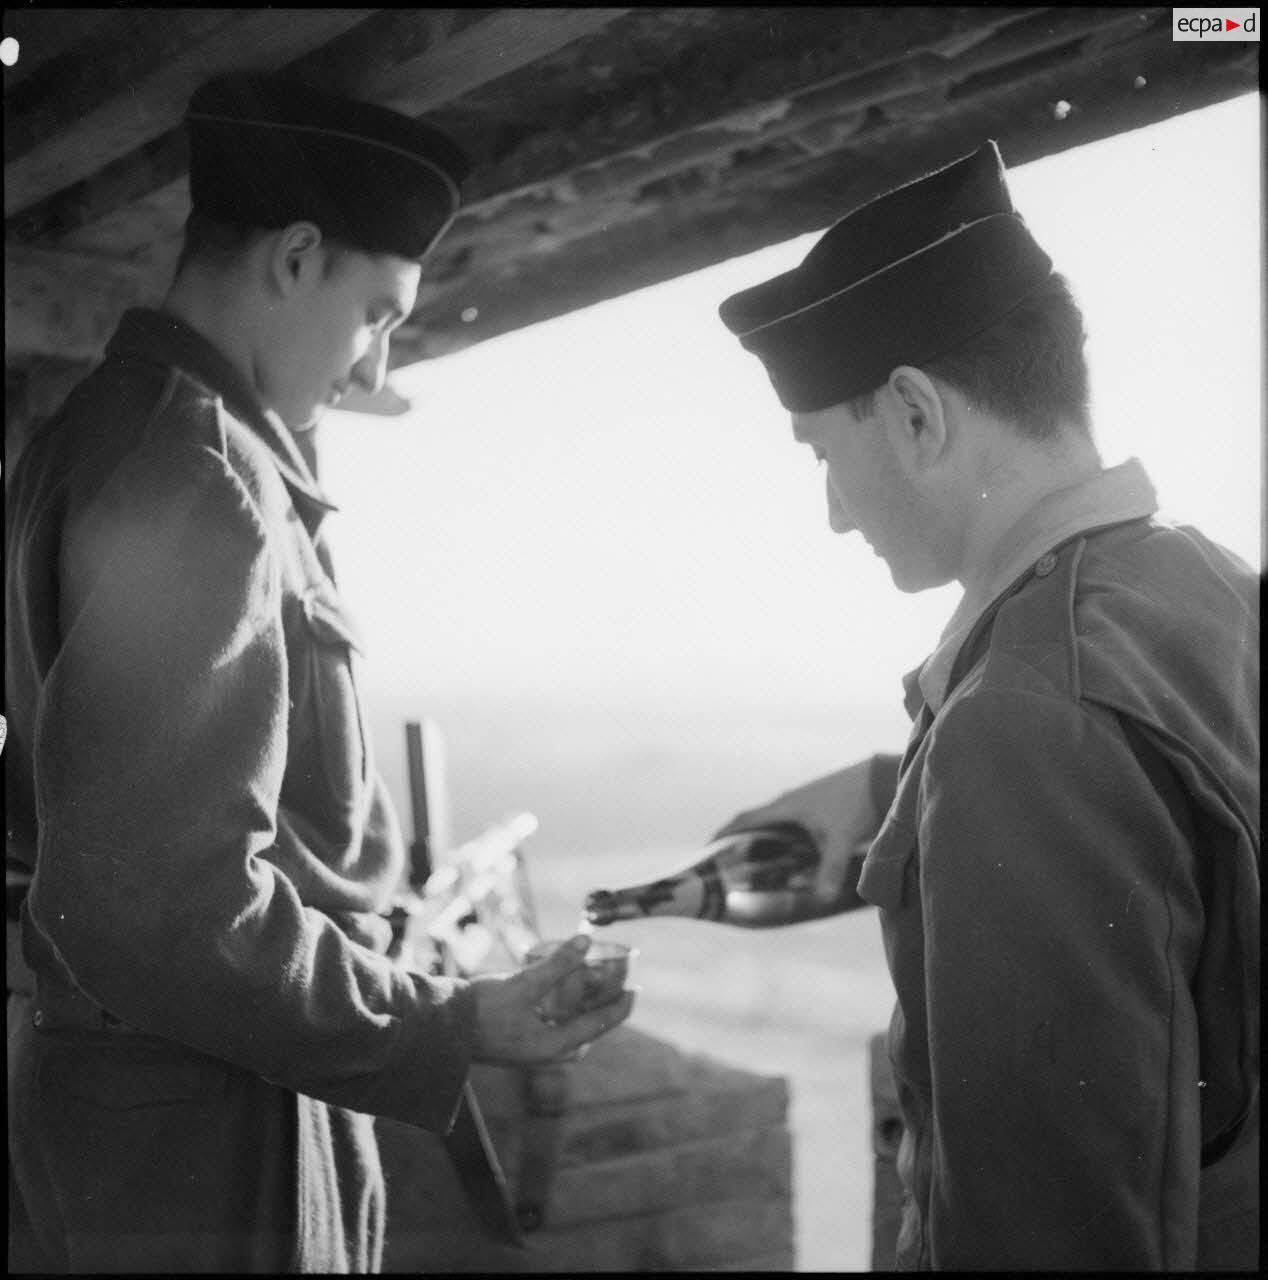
(619, 775)
(623, 791)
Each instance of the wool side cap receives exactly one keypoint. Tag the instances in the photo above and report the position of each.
(900, 280)
(266, 151)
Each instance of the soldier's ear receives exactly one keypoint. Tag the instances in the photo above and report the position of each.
(296, 258)
(918, 415)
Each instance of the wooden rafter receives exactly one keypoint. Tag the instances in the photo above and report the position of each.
(789, 185)
(421, 72)
(567, 179)
(94, 112)
(613, 147)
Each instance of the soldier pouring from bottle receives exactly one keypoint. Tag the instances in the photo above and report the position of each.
(1066, 858)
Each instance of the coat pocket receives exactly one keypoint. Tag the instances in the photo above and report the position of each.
(883, 878)
(334, 643)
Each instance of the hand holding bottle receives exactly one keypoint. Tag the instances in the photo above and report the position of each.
(756, 879)
(510, 1026)
(840, 813)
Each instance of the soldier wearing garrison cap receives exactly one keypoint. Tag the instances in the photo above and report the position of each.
(1066, 857)
(204, 1020)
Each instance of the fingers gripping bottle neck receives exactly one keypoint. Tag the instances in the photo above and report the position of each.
(755, 879)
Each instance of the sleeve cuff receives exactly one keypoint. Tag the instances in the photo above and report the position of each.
(421, 1083)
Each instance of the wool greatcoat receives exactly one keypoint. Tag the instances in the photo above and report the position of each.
(1068, 883)
(190, 778)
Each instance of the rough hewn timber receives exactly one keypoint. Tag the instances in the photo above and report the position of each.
(62, 127)
(819, 116)
(617, 148)
(426, 67)
(782, 189)
(740, 97)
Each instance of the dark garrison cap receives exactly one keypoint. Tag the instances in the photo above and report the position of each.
(266, 151)
(902, 279)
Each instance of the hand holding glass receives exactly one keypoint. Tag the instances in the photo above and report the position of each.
(597, 982)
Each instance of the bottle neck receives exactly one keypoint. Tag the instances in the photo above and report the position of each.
(698, 893)
(732, 868)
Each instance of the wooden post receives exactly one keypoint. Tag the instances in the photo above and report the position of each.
(420, 859)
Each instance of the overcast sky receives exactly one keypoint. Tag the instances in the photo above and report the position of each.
(611, 502)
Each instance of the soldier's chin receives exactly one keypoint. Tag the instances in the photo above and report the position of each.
(912, 578)
(904, 578)
(311, 421)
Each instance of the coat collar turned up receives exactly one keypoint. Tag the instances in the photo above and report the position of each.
(159, 336)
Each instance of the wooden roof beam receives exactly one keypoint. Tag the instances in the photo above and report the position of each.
(429, 67)
(65, 301)
(784, 191)
(61, 129)
(659, 148)
(834, 108)
(548, 171)
(424, 72)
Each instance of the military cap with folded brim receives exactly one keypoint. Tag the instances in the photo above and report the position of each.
(902, 279)
(267, 151)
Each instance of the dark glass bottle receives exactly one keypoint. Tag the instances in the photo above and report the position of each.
(755, 879)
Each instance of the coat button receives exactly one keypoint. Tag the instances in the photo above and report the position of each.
(39, 1018)
(1045, 565)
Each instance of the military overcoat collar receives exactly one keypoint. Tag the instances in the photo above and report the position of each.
(1112, 496)
(159, 336)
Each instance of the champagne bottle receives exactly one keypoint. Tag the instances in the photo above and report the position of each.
(756, 879)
